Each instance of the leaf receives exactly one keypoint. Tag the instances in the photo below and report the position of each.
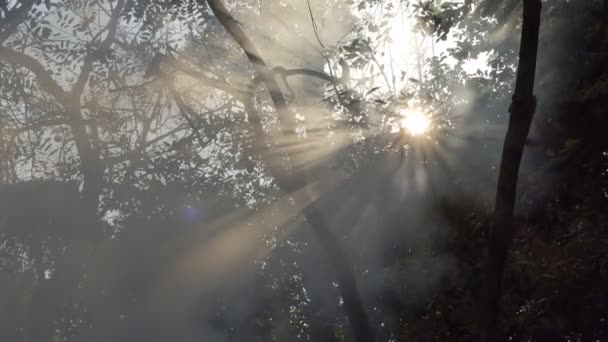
(372, 90)
(46, 33)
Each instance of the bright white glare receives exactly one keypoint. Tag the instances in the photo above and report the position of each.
(402, 52)
(415, 122)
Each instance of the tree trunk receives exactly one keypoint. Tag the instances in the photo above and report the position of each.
(291, 182)
(91, 166)
(501, 225)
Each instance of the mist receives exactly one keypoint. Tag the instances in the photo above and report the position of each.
(299, 171)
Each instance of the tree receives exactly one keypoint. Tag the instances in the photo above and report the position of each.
(346, 278)
(522, 110)
(70, 101)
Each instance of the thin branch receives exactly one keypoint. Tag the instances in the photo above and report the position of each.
(314, 28)
(295, 72)
(186, 111)
(38, 124)
(133, 154)
(92, 56)
(314, 25)
(211, 82)
(131, 87)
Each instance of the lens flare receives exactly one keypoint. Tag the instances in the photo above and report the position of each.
(415, 122)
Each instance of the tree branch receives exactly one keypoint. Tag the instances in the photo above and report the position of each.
(286, 117)
(38, 124)
(92, 56)
(343, 99)
(353, 304)
(47, 83)
(186, 111)
(299, 71)
(211, 82)
(133, 154)
(13, 18)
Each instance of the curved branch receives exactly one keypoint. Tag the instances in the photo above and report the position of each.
(355, 310)
(47, 83)
(211, 82)
(343, 97)
(295, 72)
(286, 117)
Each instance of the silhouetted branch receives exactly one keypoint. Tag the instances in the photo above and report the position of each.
(136, 153)
(186, 111)
(298, 71)
(352, 105)
(346, 276)
(286, 117)
(92, 56)
(155, 69)
(46, 81)
(13, 18)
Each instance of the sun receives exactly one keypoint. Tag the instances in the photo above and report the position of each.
(415, 122)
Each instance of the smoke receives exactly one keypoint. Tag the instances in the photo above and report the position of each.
(202, 273)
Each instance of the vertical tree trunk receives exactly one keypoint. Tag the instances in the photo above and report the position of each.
(91, 166)
(501, 224)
